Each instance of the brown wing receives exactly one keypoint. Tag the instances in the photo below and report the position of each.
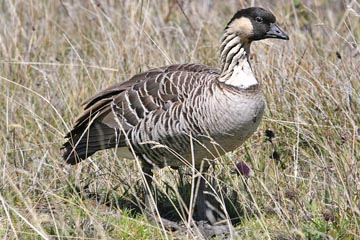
(153, 90)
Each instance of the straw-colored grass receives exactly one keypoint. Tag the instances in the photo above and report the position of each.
(55, 54)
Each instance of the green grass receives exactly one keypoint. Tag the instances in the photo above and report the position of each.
(55, 54)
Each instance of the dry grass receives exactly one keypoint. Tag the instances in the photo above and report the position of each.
(54, 54)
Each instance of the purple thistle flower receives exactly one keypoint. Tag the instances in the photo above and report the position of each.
(243, 168)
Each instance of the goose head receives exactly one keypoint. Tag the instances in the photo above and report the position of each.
(253, 24)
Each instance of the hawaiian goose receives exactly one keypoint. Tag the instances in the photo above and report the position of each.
(176, 104)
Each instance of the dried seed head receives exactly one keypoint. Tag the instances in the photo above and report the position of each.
(338, 55)
(269, 134)
(275, 155)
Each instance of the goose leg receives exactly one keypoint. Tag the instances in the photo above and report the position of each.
(150, 210)
(199, 193)
(148, 188)
(204, 217)
(200, 203)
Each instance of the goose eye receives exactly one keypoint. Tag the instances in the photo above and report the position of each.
(259, 19)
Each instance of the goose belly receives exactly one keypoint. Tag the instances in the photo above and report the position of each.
(240, 119)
